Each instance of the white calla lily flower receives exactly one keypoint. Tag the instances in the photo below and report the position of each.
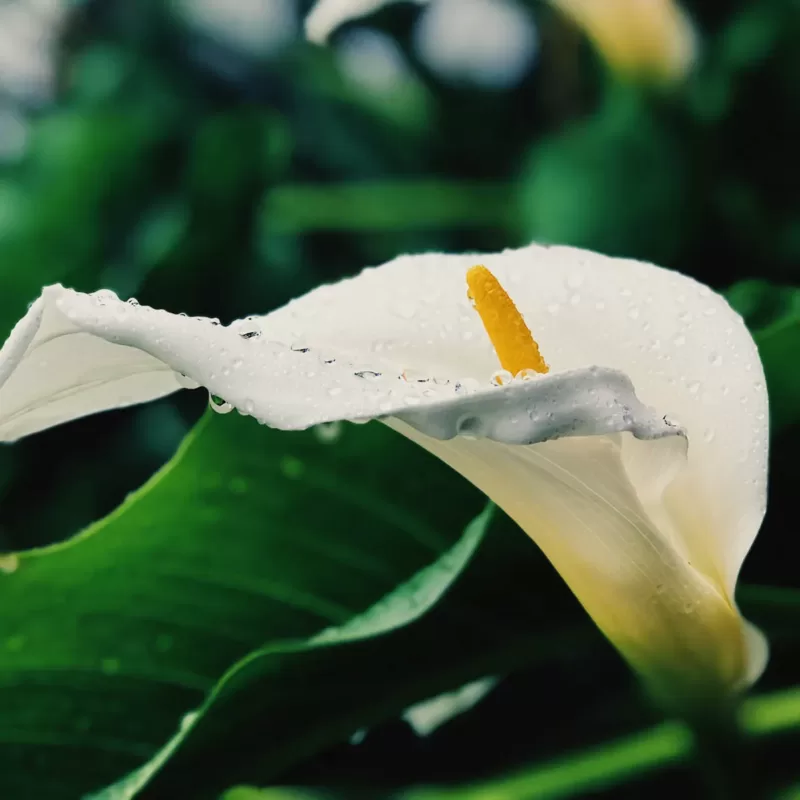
(637, 463)
(650, 38)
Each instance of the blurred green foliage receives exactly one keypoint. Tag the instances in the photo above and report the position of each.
(208, 179)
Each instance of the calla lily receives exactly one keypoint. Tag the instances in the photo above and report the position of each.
(615, 410)
(648, 38)
(651, 38)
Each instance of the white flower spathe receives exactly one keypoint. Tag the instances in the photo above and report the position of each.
(638, 464)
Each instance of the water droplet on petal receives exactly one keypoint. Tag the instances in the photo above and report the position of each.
(502, 377)
(335, 390)
(249, 328)
(104, 296)
(693, 387)
(709, 435)
(633, 312)
(300, 347)
(368, 374)
(575, 281)
(405, 309)
(328, 432)
(414, 376)
(467, 386)
(679, 340)
(527, 375)
(411, 400)
(715, 359)
(132, 301)
(219, 405)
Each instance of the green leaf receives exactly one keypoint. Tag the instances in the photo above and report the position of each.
(404, 604)
(85, 169)
(614, 183)
(248, 536)
(773, 315)
(387, 206)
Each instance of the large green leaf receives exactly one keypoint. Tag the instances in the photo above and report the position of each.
(248, 536)
(302, 660)
(287, 700)
(773, 314)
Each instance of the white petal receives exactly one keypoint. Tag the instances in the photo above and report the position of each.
(685, 350)
(574, 497)
(52, 371)
(75, 354)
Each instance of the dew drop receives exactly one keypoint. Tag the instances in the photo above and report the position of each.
(105, 296)
(219, 405)
(368, 375)
(553, 308)
(411, 400)
(575, 281)
(249, 407)
(679, 340)
(299, 347)
(527, 375)
(575, 299)
(467, 335)
(133, 302)
(709, 434)
(405, 309)
(328, 432)
(693, 387)
(710, 311)
(715, 359)
(600, 305)
(334, 391)
(633, 312)
(502, 377)
(467, 386)
(414, 376)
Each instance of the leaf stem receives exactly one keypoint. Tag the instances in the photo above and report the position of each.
(636, 755)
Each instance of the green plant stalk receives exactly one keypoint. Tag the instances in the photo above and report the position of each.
(612, 764)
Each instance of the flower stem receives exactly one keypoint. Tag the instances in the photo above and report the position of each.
(723, 756)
